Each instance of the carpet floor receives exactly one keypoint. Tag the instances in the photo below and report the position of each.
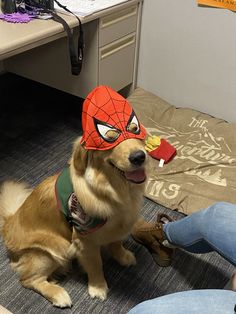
(35, 144)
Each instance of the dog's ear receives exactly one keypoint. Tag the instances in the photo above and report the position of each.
(79, 157)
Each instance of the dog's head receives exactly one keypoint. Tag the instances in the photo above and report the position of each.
(117, 174)
(111, 151)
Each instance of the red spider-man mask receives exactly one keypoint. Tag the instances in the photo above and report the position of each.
(108, 119)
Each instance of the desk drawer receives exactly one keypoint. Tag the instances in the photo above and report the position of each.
(116, 64)
(117, 25)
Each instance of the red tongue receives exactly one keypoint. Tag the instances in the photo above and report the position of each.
(136, 175)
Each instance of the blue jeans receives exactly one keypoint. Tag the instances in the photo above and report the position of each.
(210, 229)
(190, 302)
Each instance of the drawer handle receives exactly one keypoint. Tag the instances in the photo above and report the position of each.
(117, 17)
(116, 46)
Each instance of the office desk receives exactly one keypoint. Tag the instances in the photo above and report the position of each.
(38, 50)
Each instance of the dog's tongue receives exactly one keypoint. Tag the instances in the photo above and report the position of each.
(136, 176)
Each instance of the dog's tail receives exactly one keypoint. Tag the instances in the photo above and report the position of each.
(12, 196)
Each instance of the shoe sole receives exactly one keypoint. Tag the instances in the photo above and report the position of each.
(160, 261)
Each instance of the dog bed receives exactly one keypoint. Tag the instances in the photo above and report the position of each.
(203, 170)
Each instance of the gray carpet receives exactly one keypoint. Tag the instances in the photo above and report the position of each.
(34, 144)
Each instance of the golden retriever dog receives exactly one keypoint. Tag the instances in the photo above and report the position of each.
(109, 185)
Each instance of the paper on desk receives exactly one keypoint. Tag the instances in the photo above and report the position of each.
(86, 7)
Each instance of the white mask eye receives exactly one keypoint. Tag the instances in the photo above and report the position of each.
(106, 131)
(133, 124)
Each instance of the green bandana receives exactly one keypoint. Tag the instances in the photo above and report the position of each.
(68, 203)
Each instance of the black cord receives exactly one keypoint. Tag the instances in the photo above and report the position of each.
(81, 32)
(76, 59)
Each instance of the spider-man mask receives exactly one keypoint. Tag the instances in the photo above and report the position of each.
(108, 119)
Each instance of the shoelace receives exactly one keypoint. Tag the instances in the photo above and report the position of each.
(162, 219)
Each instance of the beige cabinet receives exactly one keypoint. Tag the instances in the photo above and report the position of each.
(110, 55)
(117, 43)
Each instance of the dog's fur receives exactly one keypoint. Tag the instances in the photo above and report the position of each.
(38, 237)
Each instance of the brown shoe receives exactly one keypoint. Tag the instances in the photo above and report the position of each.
(151, 236)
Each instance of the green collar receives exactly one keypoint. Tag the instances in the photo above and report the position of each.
(68, 203)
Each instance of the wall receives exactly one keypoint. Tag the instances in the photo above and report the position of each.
(187, 56)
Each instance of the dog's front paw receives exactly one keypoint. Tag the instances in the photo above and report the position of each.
(98, 291)
(61, 299)
(127, 258)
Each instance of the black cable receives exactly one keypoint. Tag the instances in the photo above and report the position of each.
(76, 59)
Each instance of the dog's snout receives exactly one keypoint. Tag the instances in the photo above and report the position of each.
(137, 158)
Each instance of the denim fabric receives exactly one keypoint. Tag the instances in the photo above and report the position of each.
(190, 302)
(210, 229)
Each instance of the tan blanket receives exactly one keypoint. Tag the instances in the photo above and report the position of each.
(204, 170)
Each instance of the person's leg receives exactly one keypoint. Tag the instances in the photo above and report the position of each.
(210, 229)
(190, 302)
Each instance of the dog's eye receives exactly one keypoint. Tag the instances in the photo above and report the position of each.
(108, 133)
(112, 134)
(133, 124)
